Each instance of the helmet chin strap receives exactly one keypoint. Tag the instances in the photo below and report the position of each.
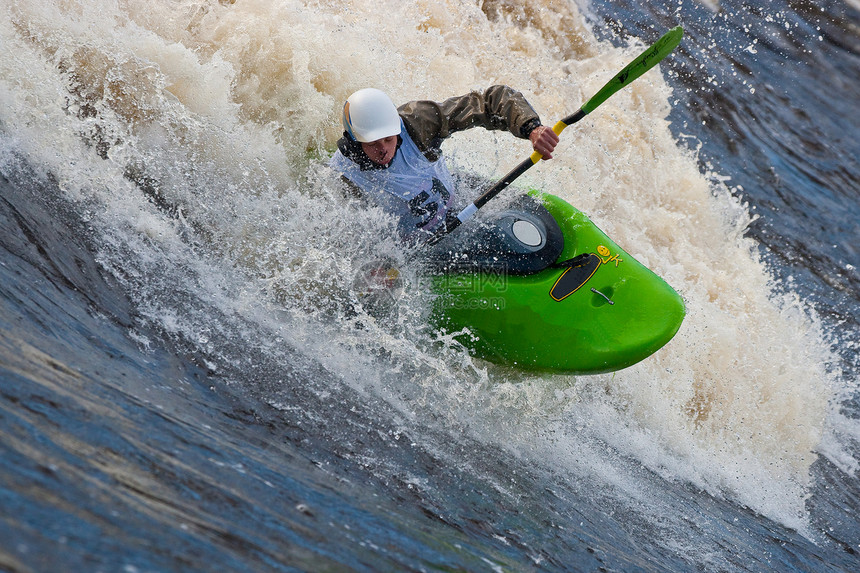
(353, 151)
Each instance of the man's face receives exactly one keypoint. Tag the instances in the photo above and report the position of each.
(382, 150)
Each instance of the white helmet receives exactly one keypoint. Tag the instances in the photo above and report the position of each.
(369, 115)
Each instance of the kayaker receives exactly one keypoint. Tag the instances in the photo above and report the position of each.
(393, 154)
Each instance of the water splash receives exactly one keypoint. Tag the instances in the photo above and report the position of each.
(193, 137)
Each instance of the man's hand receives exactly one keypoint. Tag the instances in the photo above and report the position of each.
(543, 140)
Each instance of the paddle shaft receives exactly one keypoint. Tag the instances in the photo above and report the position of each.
(647, 60)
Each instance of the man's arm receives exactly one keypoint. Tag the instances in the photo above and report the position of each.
(498, 108)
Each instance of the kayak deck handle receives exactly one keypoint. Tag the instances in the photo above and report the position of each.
(609, 300)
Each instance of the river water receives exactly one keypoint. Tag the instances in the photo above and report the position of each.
(187, 382)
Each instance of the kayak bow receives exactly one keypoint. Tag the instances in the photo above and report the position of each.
(593, 308)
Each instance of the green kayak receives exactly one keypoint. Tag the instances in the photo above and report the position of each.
(539, 287)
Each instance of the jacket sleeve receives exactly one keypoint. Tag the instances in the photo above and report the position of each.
(499, 107)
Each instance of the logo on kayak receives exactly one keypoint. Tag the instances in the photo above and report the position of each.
(606, 256)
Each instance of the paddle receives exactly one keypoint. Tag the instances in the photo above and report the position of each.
(647, 60)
